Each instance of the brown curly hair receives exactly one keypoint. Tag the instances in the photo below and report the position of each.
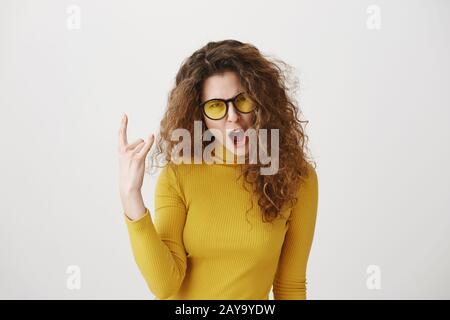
(266, 81)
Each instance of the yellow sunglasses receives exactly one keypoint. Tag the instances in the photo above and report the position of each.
(216, 109)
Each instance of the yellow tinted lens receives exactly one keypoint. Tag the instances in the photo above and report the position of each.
(215, 109)
(244, 104)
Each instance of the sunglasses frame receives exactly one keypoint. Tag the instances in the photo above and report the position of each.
(226, 101)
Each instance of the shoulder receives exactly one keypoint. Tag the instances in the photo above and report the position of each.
(168, 173)
(311, 174)
(309, 183)
(168, 180)
(307, 196)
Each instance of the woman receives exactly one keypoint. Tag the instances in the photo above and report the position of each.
(223, 230)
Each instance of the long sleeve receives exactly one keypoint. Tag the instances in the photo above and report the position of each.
(290, 279)
(158, 248)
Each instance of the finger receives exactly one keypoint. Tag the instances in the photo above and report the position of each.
(123, 140)
(139, 147)
(147, 146)
(134, 144)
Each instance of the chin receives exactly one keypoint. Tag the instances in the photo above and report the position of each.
(238, 150)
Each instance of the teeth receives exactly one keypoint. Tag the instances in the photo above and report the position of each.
(237, 136)
(236, 133)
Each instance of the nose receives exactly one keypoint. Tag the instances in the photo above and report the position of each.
(233, 115)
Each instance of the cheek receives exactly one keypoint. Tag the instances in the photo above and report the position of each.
(215, 126)
(209, 124)
(248, 119)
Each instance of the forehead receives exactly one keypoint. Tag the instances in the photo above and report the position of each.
(222, 85)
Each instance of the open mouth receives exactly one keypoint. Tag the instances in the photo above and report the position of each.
(238, 137)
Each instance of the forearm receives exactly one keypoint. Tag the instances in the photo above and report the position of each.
(133, 204)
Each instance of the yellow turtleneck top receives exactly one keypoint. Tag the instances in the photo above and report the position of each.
(203, 244)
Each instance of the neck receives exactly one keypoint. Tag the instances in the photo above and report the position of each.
(227, 157)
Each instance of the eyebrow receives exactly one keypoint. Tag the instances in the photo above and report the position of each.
(222, 98)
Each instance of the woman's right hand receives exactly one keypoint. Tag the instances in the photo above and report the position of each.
(131, 162)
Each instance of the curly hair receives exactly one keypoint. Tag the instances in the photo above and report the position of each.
(266, 81)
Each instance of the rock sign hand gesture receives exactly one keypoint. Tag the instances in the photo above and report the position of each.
(131, 170)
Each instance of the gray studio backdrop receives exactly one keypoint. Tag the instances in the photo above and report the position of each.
(374, 84)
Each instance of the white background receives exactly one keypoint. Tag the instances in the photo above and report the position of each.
(377, 100)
